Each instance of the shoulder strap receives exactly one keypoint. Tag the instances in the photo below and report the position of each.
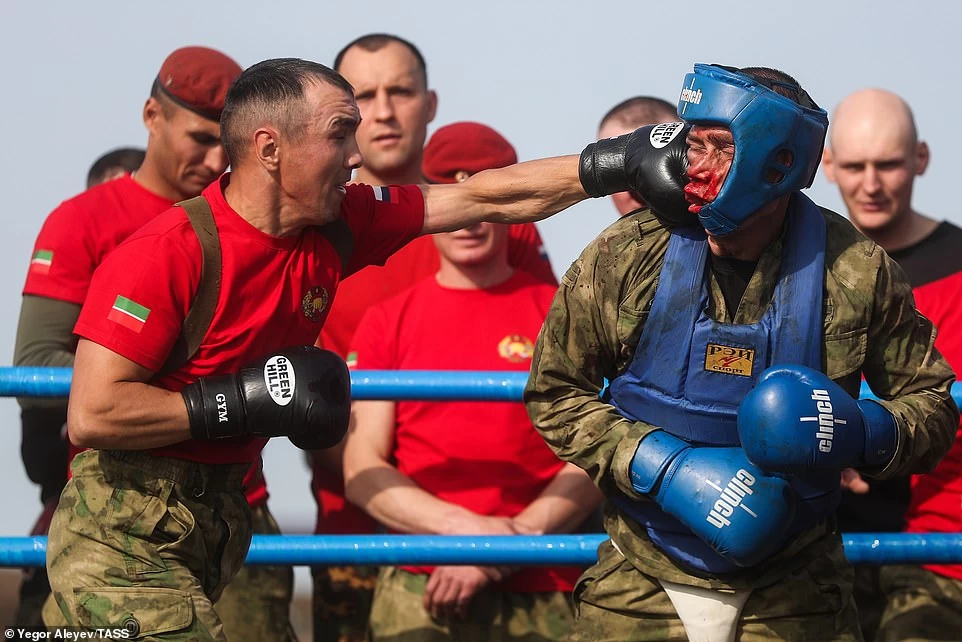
(201, 313)
(205, 301)
(339, 234)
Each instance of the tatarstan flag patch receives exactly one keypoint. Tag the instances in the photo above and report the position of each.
(41, 261)
(129, 314)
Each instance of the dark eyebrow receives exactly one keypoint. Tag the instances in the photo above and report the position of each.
(720, 140)
(343, 122)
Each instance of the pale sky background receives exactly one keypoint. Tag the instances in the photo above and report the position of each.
(543, 73)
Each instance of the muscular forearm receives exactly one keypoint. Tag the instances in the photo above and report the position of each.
(394, 500)
(113, 407)
(134, 416)
(519, 193)
(563, 505)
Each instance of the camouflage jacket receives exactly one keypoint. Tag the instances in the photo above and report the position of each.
(871, 328)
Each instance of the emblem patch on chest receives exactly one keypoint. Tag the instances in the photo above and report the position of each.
(729, 360)
(314, 303)
(515, 348)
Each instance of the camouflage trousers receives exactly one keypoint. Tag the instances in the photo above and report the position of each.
(398, 614)
(342, 602)
(614, 602)
(146, 544)
(921, 606)
(256, 605)
(869, 598)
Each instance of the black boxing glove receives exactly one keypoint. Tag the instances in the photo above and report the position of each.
(303, 393)
(651, 161)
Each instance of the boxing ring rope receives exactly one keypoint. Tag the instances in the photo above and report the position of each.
(860, 548)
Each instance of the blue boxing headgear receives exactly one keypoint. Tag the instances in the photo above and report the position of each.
(763, 124)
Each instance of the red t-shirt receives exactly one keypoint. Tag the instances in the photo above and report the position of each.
(274, 292)
(74, 240)
(416, 261)
(77, 236)
(934, 267)
(484, 456)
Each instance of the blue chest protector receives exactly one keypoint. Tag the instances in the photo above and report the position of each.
(689, 372)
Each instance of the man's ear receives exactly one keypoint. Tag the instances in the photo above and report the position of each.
(267, 148)
(827, 165)
(433, 108)
(922, 156)
(153, 114)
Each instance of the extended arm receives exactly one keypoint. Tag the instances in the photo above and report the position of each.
(520, 193)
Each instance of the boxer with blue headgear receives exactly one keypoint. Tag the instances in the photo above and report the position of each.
(727, 326)
(778, 141)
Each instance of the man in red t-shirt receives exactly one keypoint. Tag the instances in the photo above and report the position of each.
(389, 76)
(183, 156)
(154, 521)
(874, 157)
(462, 468)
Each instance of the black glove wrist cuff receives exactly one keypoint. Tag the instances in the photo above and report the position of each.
(207, 402)
(602, 167)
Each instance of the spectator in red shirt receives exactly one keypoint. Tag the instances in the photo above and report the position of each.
(463, 468)
(874, 156)
(390, 80)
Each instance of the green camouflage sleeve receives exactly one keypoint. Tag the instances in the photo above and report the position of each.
(905, 370)
(589, 335)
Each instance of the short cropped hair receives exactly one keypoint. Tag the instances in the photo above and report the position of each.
(271, 91)
(640, 111)
(782, 84)
(127, 159)
(377, 41)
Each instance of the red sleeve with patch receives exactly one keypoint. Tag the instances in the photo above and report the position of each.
(77, 236)
(383, 220)
(141, 293)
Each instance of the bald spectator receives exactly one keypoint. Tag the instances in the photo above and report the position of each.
(394, 95)
(626, 117)
(874, 156)
(115, 164)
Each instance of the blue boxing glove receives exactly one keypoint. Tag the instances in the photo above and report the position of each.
(741, 512)
(797, 420)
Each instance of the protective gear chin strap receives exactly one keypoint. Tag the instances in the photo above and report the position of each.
(778, 143)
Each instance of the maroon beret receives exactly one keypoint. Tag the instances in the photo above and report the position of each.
(464, 147)
(197, 78)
